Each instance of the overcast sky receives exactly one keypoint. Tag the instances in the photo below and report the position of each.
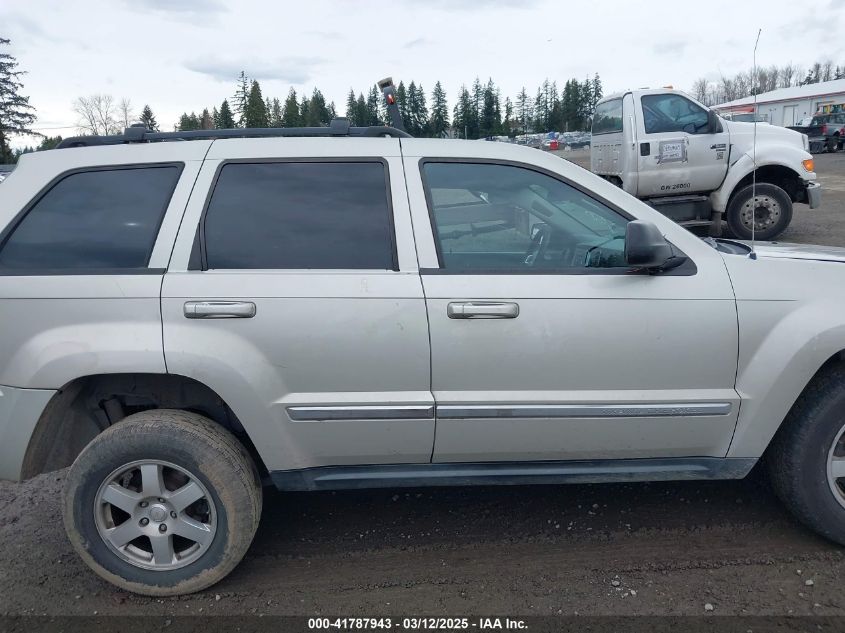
(183, 55)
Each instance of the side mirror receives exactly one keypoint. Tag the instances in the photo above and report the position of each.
(645, 247)
(713, 124)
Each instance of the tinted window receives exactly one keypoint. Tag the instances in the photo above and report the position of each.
(300, 215)
(93, 220)
(673, 113)
(502, 217)
(608, 117)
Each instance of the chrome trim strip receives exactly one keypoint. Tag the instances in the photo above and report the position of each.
(452, 412)
(361, 412)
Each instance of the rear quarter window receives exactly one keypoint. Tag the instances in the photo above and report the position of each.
(608, 117)
(101, 219)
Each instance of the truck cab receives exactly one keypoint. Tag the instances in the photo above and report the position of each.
(669, 150)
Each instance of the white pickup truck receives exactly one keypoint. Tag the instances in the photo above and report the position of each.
(680, 157)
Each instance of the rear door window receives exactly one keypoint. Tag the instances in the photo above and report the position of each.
(300, 215)
(92, 220)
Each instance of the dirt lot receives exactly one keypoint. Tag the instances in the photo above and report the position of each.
(613, 549)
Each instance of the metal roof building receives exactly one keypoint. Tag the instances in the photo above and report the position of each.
(787, 106)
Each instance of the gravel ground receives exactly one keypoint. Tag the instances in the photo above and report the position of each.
(660, 549)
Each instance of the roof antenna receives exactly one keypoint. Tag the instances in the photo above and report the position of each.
(753, 254)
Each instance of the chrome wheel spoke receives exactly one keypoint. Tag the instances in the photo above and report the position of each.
(185, 496)
(163, 553)
(152, 480)
(193, 530)
(123, 533)
(837, 467)
(156, 514)
(120, 497)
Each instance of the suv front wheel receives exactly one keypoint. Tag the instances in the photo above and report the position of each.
(807, 458)
(164, 502)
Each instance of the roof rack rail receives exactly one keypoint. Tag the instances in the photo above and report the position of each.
(139, 134)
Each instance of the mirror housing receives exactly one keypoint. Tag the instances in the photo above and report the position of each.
(646, 248)
(713, 124)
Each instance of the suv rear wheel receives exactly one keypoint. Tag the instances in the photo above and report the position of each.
(164, 502)
(769, 210)
(807, 459)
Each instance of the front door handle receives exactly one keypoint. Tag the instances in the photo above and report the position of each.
(482, 310)
(219, 309)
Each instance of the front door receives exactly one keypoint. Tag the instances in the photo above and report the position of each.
(294, 294)
(678, 153)
(543, 346)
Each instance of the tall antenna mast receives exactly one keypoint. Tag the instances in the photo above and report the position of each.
(753, 254)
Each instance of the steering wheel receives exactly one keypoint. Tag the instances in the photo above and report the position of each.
(539, 243)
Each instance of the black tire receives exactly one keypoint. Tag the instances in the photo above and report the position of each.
(213, 457)
(768, 193)
(833, 144)
(797, 458)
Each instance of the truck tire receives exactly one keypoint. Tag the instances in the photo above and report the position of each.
(833, 144)
(773, 212)
(806, 460)
(162, 503)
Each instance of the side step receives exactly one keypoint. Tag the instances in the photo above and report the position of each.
(511, 473)
(676, 200)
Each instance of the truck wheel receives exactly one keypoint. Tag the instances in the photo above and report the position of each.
(164, 502)
(770, 211)
(833, 144)
(807, 457)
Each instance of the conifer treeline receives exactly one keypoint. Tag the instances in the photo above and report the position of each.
(480, 110)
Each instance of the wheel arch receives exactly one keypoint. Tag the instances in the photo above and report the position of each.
(88, 405)
(778, 372)
(770, 169)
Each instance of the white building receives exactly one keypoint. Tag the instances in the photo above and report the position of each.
(787, 106)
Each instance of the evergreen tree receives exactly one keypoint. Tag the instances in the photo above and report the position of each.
(402, 102)
(16, 113)
(148, 119)
(276, 113)
(465, 117)
(508, 122)
(490, 122)
(215, 117)
(316, 113)
(439, 121)
(304, 110)
(206, 122)
(362, 113)
(524, 110)
(225, 120)
(241, 98)
(255, 114)
(373, 109)
(188, 122)
(290, 112)
(352, 108)
(417, 121)
(597, 93)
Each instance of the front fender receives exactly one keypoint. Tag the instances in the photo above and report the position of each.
(767, 155)
(788, 330)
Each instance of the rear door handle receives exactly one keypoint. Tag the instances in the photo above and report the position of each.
(219, 309)
(482, 310)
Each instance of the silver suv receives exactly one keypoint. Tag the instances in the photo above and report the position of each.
(184, 322)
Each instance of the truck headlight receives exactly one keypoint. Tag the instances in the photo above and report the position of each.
(809, 164)
(806, 140)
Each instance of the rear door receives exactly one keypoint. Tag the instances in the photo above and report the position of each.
(677, 151)
(294, 293)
